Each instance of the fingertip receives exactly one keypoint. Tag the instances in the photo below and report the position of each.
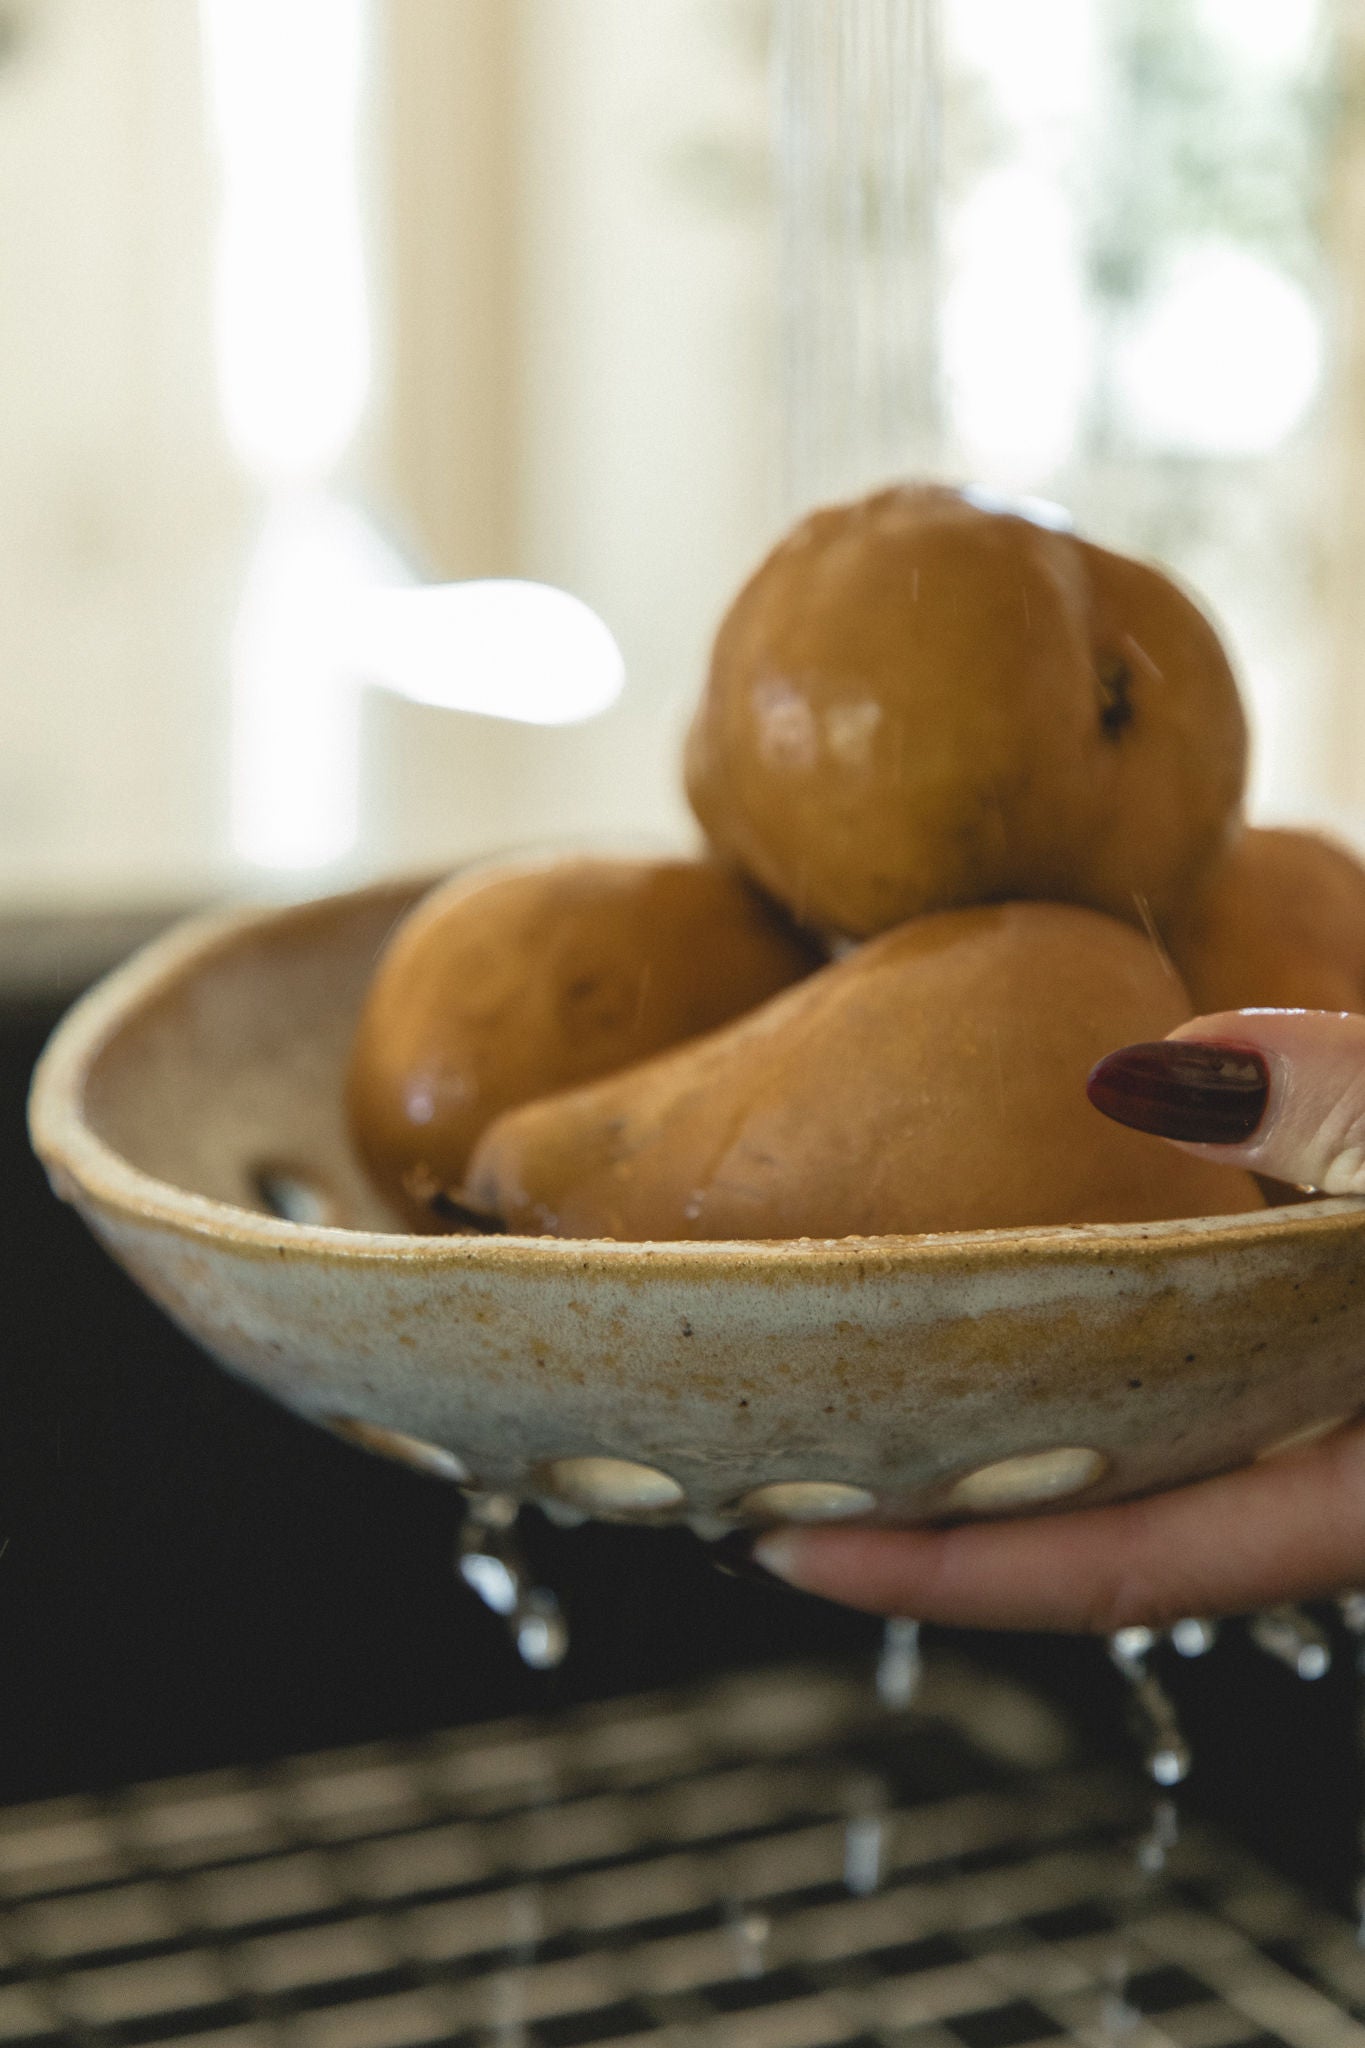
(778, 1552)
(1313, 1131)
(1202, 1091)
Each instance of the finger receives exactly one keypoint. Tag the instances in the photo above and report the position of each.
(1283, 1529)
(1278, 1092)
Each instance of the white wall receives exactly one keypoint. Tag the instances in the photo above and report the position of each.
(118, 511)
(574, 299)
(569, 262)
(640, 429)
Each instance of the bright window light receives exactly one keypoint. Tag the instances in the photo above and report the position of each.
(292, 320)
(328, 609)
(505, 648)
(1223, 359)
(1017, 329)
(1274, 35)
(284, 80)
(328, 604)
(1039, 55)
(296, 697)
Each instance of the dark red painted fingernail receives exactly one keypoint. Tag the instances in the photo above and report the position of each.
(1205, 1093)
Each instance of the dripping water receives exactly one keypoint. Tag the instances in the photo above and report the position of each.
(1165, 1752)
(1167, 1759)
(1161, 1837)
(490, 1559)
(867, 1799)
(1193, 1636)
(898, 1664)
(1351, 1608)
(750, 1932)
(1117, 2016)
(865, 1836)
(508, 2017)
(1294, 1639)
(856, 96)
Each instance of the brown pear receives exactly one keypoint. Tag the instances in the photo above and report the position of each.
(917, 703)
(1279, 924)
(507, 985)
(932, 1080)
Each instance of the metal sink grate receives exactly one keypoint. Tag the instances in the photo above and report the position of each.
(769, 1861)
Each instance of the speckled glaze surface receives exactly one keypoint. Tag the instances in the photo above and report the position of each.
(890, 1379)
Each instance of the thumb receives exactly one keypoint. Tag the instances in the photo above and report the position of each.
(1278, 1092)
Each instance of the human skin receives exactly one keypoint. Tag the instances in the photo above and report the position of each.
(1287, 1528)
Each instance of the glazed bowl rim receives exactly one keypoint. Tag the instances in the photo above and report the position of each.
(77, 1159)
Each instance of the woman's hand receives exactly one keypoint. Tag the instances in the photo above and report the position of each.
(1289, 1086)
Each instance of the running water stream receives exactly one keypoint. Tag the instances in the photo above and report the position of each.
(1287, 1634)
(856, 89)
(1351, 1608)
(856, 93)
(1294, 1639)
(1167, 1760)
(898, 1664)
(1165, 1752)
(868, 1800)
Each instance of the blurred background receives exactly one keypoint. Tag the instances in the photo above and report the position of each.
(308, 292)
(304, 297)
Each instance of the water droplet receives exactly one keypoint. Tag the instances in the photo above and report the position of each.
(1294, 1639)
(1117, 2016)
(750, 1931)
(1193, 1636)
(898, 1665)
(1165, 1752)
(541, 1631)
(1157, 1844)
(493, 1511)
(864, 1853)
(1351, 1607)
(490, 1560)
(491, 1579)
(865, 1802)
(1129, 1643)
(1168, 1763)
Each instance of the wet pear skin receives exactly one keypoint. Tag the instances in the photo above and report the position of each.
(916, 704)
(1278, 924)
(932, 1080)
(511, 984)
